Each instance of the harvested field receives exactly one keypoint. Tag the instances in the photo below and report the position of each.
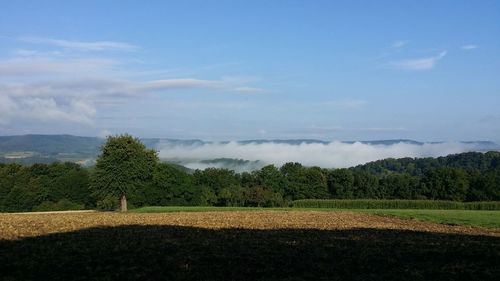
(256, 245)
(14, 226)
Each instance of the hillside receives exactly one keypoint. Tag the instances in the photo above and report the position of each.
(29, 149)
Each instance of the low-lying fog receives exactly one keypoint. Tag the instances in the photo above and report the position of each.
(326, 155)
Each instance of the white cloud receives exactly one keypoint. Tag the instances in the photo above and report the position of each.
(398, 44)
(183, 83)
(7, 108)
(331, 155)
(108, 87)
(45, 110)
(78, 100)
(469, 47)
(104, 134)
(197, 105)
(48, 109)
(34, 53)
(63, 85)
(38, 66)
(346, 103)
(419, 64)
(80, 45)
(248, 90)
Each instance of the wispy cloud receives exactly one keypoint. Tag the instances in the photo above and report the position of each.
(81, 45)
(469, 47)
(77, 100)
(35, 53)
(490, 119)
(167, 84)
(46, 66)
(59, 84)
(46, 109)
(346, 103)
(419, 63)
(248, 90)
(398, 44)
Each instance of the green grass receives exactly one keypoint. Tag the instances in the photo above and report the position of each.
(489, 219)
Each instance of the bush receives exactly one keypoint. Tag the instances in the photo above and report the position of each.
(394, 204)
(108, 203)
(61, 205)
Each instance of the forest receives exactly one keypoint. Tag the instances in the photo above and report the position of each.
(464, 177)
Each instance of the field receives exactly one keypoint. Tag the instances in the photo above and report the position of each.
(395, 204)
(489, 219)
(242, 245)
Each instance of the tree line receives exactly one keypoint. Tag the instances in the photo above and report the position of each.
(128, 171)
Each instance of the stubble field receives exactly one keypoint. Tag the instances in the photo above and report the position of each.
(242, 245)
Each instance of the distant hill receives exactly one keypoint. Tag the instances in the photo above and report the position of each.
(28, 149)
(51, 144)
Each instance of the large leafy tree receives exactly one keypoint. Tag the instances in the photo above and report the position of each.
(123, 166)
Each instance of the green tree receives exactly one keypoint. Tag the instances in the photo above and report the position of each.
(123, 166)
(446, 184)
(170, 186)
(398, 186)
(303, 183)
(271, 178)
(218, 180)
(484, 186)
(340, 183)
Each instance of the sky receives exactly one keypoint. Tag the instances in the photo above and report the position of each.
(234, 70)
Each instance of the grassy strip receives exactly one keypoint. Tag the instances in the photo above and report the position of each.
(489, 219)
(394, 204)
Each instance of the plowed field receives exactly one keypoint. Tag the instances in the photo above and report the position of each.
(256, 245)
(14, 226)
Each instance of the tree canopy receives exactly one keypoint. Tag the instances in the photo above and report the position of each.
(123, 166)
(127, 170)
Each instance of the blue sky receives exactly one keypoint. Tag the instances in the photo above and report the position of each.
(230, 70)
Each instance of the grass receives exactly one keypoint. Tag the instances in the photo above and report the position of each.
(489, 219)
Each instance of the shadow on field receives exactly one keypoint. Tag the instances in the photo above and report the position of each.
(185, 253)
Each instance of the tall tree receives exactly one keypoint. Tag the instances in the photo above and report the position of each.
(123, 166)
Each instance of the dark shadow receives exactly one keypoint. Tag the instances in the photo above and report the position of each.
(185, 253)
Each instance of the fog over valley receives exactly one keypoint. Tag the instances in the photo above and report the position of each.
(245, 155)
(334, 154)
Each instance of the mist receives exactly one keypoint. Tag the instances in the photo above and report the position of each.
(326, 155)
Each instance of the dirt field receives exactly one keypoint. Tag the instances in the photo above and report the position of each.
(15, 226)
(267, 245)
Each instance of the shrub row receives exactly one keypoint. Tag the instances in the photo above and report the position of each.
(394, 204)
(61, 205)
